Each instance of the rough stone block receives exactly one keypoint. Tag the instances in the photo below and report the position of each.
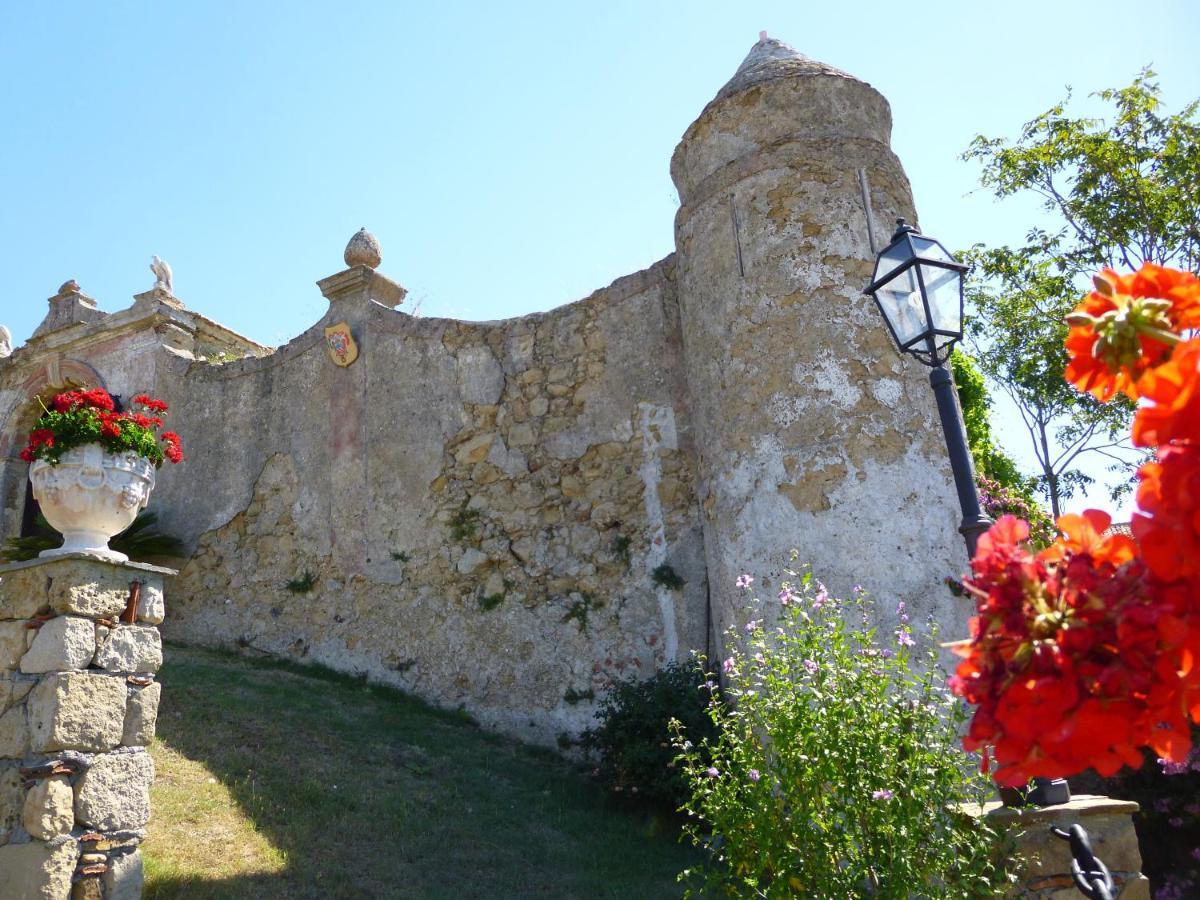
(38, 871)
(49, 808)
(11, 800)
(77, 585)
(77, 711)
(12, 644)
(63, 643)
(141, 714)
(151, 609)
(124, 878)
(88, 889)
(14, 733)
(131, 648)
(23, 591)
(114, 793)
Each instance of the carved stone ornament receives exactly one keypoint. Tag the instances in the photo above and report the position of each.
(91, 495)
(340, 344)
(363, 250)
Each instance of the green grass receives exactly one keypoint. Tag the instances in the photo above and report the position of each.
(276, 781)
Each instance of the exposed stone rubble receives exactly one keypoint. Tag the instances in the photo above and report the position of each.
(78, 704)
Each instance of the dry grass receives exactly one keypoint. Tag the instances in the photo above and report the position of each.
(275, 782)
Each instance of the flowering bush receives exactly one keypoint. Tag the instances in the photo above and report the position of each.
(836, 770)
(75, 418)
(1085, 652)
(998, 500)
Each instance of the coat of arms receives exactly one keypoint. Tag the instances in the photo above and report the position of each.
(340, 343)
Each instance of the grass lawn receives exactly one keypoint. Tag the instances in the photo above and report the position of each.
(279, 782)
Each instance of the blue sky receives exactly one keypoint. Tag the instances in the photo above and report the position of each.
(510, 158)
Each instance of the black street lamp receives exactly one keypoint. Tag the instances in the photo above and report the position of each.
(918, 286)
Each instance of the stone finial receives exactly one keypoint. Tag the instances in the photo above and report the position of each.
(363, 250)
(5, 342)
(162, 275)
(70, 286)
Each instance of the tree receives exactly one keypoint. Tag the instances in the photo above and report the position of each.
(1118, 195)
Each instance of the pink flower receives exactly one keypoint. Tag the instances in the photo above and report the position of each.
(727, 666)
(885, 794)
(712, 772)
(753, 775)
(810, 667)
(904, 638)
(786, 596)
(744, 581)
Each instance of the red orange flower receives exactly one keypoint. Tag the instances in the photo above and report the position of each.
(1127, 326)
(1172, 390)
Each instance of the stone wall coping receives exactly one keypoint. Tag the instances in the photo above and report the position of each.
(42, 561)
(1079, 806)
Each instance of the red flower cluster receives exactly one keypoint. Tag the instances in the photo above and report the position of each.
(96, 398)
(1084, 653)
(1075, 653)
(78, 417)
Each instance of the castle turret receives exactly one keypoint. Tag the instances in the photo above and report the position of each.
(813, 433)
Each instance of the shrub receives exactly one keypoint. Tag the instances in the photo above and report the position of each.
(632, 742)
(836, 770)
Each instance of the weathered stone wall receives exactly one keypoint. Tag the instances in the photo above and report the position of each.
(505, 515)
(78, 704)
(481, 507)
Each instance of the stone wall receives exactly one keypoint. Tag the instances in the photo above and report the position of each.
(504, 516)
(482, 508)
(79, 648)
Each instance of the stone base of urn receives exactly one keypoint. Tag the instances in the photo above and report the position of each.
(1047, 875)
(79, 649)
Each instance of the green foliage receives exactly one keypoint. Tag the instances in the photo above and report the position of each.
(620, 547)
(998, 500)
(990, 461)
(303, 584)
(632, 742)
(666, 576)
(580, 609)
(464, 523)
(836, 770)
(400, 556)
(491, 601)
(1119, 193)
(140, 541)
(573, 696)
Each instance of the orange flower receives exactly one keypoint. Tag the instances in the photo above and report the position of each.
(1167, 523)
(1127, 326)
(1174, 391)
(1084, 533)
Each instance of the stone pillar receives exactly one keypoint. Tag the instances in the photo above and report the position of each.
(79, 648)
(813, 433)
(1047, 875)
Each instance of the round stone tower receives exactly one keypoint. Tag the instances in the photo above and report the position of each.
(813, 432)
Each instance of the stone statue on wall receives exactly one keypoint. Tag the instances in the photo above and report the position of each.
(162, 274)
(5, 342)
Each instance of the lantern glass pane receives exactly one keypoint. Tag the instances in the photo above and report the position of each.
(943, 287)
(931, 249)
(891, 259)
(900, 299)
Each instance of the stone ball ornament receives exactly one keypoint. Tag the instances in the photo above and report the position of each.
(363, 250)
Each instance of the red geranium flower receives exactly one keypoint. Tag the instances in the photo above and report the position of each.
(1127, 326)
(1173, 392)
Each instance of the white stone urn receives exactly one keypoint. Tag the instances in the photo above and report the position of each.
(90, 496)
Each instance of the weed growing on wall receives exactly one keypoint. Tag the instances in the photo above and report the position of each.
(303, 584)
(666, 576)
(836, 770)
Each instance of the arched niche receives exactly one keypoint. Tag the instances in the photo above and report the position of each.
(18, 420)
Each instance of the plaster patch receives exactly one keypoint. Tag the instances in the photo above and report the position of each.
(657, 425)
(887, 391)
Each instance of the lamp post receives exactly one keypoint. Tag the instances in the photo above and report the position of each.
(918, 287)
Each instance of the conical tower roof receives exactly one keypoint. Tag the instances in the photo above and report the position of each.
(769, 59)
